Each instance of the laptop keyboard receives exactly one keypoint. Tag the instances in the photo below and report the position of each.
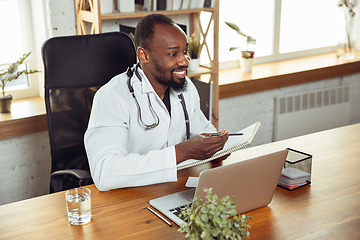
(177, 211)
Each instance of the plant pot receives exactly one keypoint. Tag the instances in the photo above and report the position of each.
(247, 54)
(246, 64)
(194, 64)
(246, 61)
(5, 104)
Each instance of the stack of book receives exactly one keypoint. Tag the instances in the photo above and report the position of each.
(292, 178)
(160, 5)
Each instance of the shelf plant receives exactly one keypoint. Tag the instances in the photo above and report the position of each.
(194, 46)
(194, 52)
(214, 219)
(10, 74)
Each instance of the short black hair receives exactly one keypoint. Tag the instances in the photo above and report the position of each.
(144, 31)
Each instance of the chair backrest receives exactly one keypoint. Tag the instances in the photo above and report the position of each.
(75, 67)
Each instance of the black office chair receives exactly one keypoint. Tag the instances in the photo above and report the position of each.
(75, 68)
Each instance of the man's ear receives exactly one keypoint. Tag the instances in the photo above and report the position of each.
(143, 55)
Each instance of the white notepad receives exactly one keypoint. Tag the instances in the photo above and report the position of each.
(233, 144)
(294, 173)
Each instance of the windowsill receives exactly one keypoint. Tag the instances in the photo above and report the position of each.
(233, 82)
(29, 115)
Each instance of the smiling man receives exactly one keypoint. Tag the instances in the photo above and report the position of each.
(147, 120)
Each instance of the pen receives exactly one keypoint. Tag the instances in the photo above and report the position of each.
(161, 217)
(230, 134)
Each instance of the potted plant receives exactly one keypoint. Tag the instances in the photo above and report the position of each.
(247, 56)
(345, 48)
(214, 219)
(7, 75)
(194, 52)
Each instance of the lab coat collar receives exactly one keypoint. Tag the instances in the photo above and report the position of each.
(145, 83)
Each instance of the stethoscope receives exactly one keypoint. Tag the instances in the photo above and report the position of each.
(130, 72)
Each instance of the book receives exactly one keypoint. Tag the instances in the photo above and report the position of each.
(126, 6)
(107, 6)
(148, 5)
(207, 3)
(176, 4)
(185, 4)
(234, 143)
(169, 5)
(201, 3)
(160, 5)
(194, 3)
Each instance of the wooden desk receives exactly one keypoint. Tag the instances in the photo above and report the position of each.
(328, 208)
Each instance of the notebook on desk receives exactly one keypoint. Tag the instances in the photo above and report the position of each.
(261, 175)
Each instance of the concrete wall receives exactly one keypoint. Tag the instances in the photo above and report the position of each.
(25, 167)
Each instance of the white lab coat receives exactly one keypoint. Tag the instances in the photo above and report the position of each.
(121, 152)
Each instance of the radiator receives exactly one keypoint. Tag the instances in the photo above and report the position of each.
(303, 113)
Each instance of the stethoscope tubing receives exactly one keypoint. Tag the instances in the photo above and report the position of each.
(130, 72)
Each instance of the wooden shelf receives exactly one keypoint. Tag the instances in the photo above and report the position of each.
(139, 14)
(201, 71)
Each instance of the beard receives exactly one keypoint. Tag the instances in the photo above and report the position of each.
(177, 86)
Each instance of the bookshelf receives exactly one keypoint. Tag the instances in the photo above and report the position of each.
(88, 13)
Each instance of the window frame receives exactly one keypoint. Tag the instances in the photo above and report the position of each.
(27, 25)
(276, 55)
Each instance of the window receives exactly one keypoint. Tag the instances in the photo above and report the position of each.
(283, 28)
(16, 40)
(316, 30)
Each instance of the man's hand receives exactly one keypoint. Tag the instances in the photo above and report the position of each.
(201, 147)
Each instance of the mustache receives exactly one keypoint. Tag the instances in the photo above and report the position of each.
(178, 69)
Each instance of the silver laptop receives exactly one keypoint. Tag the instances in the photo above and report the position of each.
(252, 182)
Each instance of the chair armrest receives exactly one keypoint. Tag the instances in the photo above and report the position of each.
(57, 178)
(80, 174)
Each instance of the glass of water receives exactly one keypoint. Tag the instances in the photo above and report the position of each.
(78, 204)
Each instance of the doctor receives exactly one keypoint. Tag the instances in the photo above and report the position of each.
(147, 120)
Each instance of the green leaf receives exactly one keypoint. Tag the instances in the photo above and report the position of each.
(233, 26)
(11, 73)
(236, 28)
(204, 217)
(211, 219)
(251, 40)
(204, 210)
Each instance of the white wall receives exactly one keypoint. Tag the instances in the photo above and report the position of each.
(238, 112)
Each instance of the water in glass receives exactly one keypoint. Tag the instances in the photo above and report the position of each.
(78, 203)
